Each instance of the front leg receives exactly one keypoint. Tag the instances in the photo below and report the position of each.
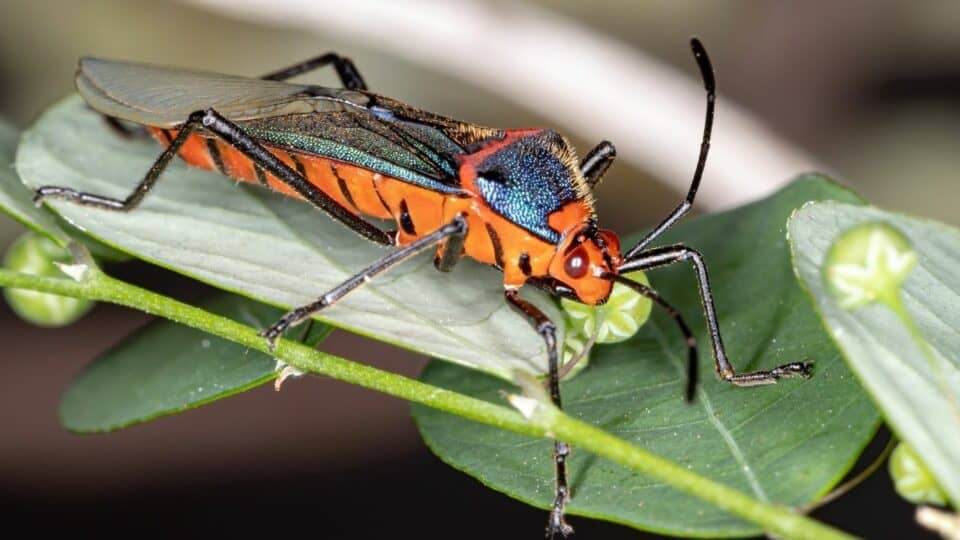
(561, 451)
(664, 256)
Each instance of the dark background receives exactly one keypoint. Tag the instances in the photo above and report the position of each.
(870, 88)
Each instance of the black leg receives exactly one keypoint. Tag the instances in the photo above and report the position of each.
(672, 254)
(452, 252)
(211, 121)
(690, 341)
(595, 164)
(454, 229)
(706, 72)
(547, 330)
(138, 193)
(348, 73)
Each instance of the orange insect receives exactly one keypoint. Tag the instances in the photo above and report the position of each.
(519, 200)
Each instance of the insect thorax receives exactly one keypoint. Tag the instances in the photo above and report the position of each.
(530, 175)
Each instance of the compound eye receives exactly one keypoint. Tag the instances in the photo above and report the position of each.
(576, 264)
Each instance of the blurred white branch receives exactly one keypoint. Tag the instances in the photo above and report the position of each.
(582, 81)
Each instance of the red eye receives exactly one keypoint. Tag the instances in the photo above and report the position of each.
(576, 264)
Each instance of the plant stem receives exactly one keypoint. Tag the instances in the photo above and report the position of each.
(95, 285)
(777, 520)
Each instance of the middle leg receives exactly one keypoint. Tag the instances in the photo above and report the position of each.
(561, 450)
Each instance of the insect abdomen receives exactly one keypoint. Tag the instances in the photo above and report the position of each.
(416, 210)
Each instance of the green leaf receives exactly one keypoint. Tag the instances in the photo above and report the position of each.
(272, 248)
(166, 368)
(15, 199)
(786, 443)
(904, 347)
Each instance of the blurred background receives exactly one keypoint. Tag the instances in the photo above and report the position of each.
(867, 90)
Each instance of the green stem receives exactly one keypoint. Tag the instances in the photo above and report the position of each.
(777, 520)
(95, 285)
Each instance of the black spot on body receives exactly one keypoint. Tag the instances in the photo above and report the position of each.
(406, 222)
(524, 263)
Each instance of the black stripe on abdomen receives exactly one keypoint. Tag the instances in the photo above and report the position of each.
(376, 189)
(301, 169)
(344, 188)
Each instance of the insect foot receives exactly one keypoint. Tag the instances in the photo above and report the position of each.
(274, 332)
(803, 370)
(557, 527)
(793, 370)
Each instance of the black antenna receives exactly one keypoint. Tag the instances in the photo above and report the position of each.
(706, 72)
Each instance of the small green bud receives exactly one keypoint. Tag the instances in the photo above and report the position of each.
(37, 255)
(615, 321)
(912, 479)
(868, 263)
